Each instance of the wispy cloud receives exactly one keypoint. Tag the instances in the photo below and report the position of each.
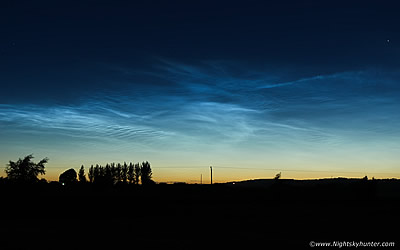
(211, 103)
(76, 122)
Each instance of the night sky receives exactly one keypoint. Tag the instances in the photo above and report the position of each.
(307, 88)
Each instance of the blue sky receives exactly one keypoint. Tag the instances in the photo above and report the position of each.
(316, 94)
(205, 115)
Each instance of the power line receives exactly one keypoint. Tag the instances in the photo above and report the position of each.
(279, 169)
(306, 170)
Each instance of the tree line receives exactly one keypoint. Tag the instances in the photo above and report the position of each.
(26, 171)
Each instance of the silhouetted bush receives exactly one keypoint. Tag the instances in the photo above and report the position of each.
(68, 177)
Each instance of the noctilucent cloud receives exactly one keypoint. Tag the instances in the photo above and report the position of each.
(308, 89)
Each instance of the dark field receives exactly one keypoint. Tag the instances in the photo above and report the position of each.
(263, 214)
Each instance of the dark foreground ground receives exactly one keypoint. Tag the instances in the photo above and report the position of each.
(250, 215)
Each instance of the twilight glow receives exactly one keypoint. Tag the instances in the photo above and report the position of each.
(125, 97)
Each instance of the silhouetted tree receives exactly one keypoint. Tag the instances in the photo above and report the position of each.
(118, 170)
(277, 176)
(114, 173)
(108, 175)
(146, 173)
(24, 170)
(137, 173)
(68, 177)
(91, 174)
(97, 174)
(131, 173)
(124, 172)
(81, 175)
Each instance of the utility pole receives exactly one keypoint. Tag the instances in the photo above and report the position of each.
(211, 173)
(201, 178)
